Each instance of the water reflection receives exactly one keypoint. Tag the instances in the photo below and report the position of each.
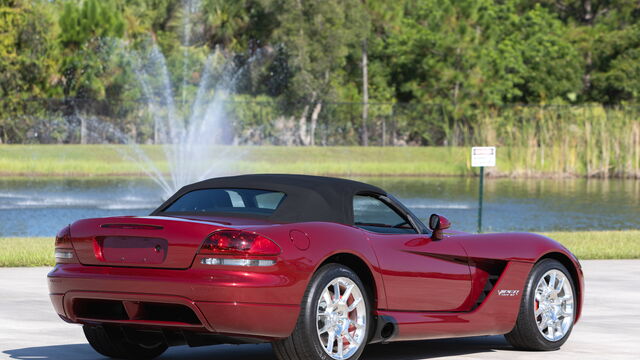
(39, 207)
(525, 204)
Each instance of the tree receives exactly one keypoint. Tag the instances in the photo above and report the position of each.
(615, 76)
(154, 16)
(531, 52)
(89, 33)
(86, 30)
(317, 37)
(434, 57)
(28, 61)
(602, 30)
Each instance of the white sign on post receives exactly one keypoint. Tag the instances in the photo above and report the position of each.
(483, 156)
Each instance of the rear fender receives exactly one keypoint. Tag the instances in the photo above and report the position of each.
(326, 240)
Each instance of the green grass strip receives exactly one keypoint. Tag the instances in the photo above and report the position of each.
(600, 245)
(22, 252)
(349, 161)
(105, 160)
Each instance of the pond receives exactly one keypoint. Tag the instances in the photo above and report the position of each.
(40, 207)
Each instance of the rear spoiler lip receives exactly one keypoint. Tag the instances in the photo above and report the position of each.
(168, 218)
(131, 226)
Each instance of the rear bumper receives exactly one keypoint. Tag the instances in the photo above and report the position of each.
(240, 303)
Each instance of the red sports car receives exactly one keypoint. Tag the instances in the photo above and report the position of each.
(317, 266)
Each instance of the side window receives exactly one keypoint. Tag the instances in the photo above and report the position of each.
(373, 214)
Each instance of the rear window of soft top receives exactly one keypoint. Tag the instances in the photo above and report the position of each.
(248, 201)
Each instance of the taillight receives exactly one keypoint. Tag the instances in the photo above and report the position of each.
(64, 253)
(236, 242)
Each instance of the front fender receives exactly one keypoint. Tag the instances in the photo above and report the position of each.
(524, 247)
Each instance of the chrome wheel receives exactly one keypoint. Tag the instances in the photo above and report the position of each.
(554, 305)
(341, 318)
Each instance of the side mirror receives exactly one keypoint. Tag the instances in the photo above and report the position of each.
(437, 223)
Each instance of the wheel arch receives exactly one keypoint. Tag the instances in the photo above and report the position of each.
(361, 268)
(576, 275)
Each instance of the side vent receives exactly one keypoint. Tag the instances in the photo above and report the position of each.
(492, 270)
(488, 286)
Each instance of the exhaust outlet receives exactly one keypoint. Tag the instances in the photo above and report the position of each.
(386, 329)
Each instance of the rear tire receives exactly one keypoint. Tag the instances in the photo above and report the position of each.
(547, 311)
(330, 327)
(112, 343)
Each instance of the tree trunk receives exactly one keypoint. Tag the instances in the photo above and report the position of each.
(302, 126)
(588, 19)
(394, 140)
(586, 79)
(134, 133)
(456, 88)
(314, 123)
(384, 131)
(365, 94)
(588, 12)
(83, 130)
(156, 136)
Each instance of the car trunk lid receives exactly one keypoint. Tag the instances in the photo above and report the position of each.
(152, 241)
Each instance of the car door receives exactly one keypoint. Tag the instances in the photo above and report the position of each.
(419, 273)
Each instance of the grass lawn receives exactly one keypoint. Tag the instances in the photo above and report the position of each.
(16, 252)
(600, 245)
(586, 245)
(108, 160)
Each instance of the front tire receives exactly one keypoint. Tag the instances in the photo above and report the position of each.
(334, 320)
(112, 343)
(547, 311)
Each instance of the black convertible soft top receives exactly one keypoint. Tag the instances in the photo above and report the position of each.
(308, 198)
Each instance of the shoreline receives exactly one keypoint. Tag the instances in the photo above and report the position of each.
(488, 175)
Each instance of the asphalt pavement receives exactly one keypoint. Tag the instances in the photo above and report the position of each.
(609, 329)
